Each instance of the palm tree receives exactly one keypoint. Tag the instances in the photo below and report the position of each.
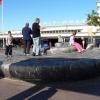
(93, 19)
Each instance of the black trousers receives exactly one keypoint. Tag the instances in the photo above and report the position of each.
(8, 50)
(45, 50)
(26, 46)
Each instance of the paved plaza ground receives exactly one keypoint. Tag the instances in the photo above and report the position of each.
(13, 89)
(18, 55)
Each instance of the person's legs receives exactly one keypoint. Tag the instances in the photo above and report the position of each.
(10, 50)
(45, 51)
(25, 45)
(6, 50)
(77, 46)
(28, 46)
(34, 46)
(37, 45)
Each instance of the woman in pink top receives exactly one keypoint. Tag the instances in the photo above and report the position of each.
(75, 44)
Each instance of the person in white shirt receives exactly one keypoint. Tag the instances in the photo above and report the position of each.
(9, 43)
(60, 39)
(83, 42)
(75, 44)
(71, 41)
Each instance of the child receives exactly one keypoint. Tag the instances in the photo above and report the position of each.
(9, 40)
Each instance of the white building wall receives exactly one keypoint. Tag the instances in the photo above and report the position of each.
(98, 7)
(84, 31)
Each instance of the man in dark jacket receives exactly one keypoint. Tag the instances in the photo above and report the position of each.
(36, 37)
(26, 32)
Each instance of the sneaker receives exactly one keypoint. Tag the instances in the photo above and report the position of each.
(83, 50)
(33, 54)
(79, 51)
(27, 54)
(24, 54)
(38, 55)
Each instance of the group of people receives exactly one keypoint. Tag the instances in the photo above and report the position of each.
(36, 39)
(26, 32)
(35, 32)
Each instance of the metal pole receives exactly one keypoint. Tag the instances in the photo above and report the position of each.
(3, 23)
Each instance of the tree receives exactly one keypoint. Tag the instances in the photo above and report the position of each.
(93, 19)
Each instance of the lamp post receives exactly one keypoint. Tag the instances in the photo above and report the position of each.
(3, 22)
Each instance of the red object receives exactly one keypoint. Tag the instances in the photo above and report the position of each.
(0, 2)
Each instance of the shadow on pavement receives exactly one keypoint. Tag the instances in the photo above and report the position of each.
(44, 95)
(43, 91)
(30, 94)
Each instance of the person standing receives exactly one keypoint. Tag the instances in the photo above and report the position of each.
(83, 42)
(36, 37)
(26, 32)
(9, 43)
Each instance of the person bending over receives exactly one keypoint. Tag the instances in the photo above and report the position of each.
(75, 44)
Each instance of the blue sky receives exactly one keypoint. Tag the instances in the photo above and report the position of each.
(18, 12)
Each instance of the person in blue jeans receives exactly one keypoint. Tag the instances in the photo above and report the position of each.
(26, 32)
(36, 37)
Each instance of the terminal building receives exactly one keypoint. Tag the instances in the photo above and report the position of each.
(51, 33)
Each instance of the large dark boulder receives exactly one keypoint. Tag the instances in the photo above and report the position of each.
(54, 69)
(98, 66)
(1, 73)
(42, 69)
(84, 68)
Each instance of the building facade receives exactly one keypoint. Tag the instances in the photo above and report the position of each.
(52, 32)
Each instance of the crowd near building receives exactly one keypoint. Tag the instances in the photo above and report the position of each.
(50, 33)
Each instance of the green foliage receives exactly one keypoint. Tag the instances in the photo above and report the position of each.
(93, 19)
